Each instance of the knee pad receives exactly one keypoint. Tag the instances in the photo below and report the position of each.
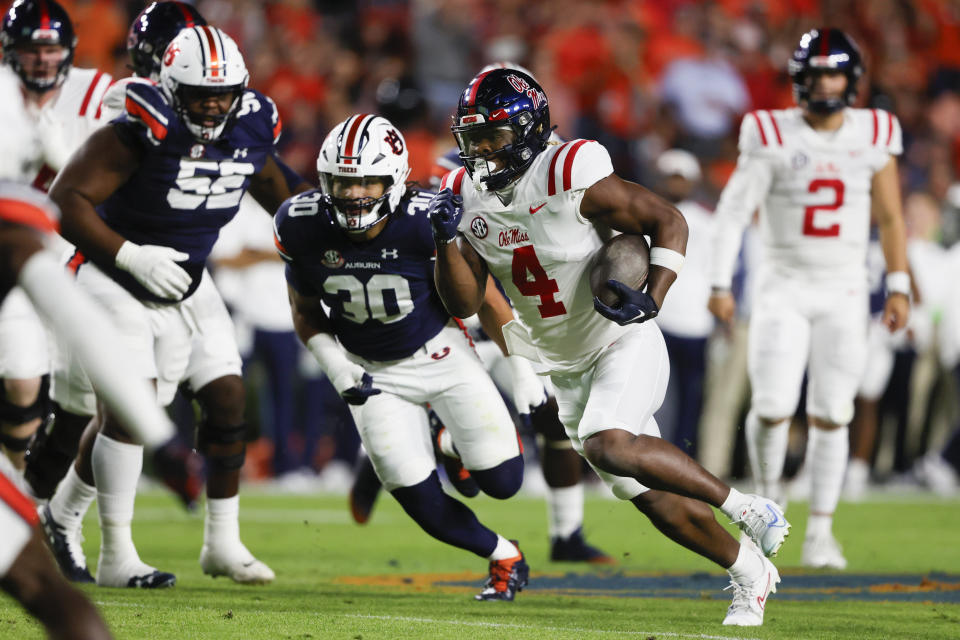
(501, 481)
(15, 414)
(208, 434)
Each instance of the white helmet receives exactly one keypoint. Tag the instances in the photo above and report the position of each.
(364, 146)
(201, 61)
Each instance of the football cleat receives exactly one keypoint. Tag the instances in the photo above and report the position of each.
(750, 600)
(762, 519)
(132, 575)
(823, 552)
(507, 578)
(181, 470)
(237, 563)
(363, 494)
(574, 548)
(65, 546)
(458, 475)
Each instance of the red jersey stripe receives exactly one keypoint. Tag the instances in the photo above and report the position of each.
(458, 180)
(76, 260)
(876, 127)
(89, 94)
(568, 164)
(776, 129)
(763, 135)
(157, 128)
(552, 181)
(29, 215)
(20, 503)
(889, 128)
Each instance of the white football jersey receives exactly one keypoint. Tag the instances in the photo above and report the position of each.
(114, 100)
(65, 122)
(18, 162)
(812, 190)
(539, 247)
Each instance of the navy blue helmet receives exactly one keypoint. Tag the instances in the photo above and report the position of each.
(37, 22)
(502, 124)
(825, 49)
(153, 30)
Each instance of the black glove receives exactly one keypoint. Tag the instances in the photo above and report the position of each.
(445, 212)
(635, 305)
(359, 393)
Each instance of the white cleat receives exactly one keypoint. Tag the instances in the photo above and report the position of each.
(823, 552)
(750, 600)
(762, 519)
(235, 562)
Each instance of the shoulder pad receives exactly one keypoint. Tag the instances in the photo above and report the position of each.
(145, 105)
(578, 164)
(758, 130)
(294, 220)
(885, 131)
(453, 180)
(259, 113)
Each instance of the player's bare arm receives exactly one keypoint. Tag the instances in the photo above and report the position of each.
(885, 191)
(494, 313)
(626, 206)
(269, 186)
(97, 169)
(309, 318)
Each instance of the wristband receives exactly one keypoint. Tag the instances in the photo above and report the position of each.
(666, 258)
(898, 282)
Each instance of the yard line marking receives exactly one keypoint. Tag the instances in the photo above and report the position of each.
(505, 625)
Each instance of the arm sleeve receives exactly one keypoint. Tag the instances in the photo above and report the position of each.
(743, 194)
(90, 333)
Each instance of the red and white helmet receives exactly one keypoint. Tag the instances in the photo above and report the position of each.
(199, 62)
(362, 147)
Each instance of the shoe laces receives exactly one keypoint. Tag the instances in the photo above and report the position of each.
(501, 572)
(755, 521)
(742, 596)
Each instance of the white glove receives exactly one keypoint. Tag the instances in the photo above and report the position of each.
(155, 268)
(528, 390)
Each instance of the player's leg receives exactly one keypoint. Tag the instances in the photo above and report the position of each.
(837, 357)
(396, 437)
(27, 574)
(22, 409)
(562, 469)
(777, 351)
(214, 372)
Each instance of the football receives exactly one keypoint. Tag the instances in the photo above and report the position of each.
(625, 258)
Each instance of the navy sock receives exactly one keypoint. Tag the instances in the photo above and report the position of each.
(444, 518)
(503, 480)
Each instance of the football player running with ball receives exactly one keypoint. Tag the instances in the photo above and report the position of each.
(360, 272)
(533, 214)
(144, 200)
(815, 172)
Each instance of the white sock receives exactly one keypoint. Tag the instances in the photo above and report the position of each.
(828, 462)
(767, 449)
(71, 500)
(748, 566)
(116, 469)
(734, 504)
(564, 510)
(504, 550)
(221, 525)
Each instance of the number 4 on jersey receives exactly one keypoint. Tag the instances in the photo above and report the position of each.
(525, 262)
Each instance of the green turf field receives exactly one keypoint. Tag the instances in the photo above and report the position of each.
(388, 580)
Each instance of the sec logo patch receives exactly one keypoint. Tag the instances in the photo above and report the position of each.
(479, 227)
(332, 259)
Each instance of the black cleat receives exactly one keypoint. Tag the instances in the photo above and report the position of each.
(507, 578)
(155, 580)
(575, 549)
(66, 552)
(458, 475)
(363, 494)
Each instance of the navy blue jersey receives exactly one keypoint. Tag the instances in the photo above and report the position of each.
(382, 299)
(184, 191)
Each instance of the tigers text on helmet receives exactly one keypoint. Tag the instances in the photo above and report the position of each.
(362, 154)
(37, 22)
(199, 63)
(825, 49)
(502, 123)
(153, 30)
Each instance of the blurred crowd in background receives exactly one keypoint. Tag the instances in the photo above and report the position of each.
(642, 77)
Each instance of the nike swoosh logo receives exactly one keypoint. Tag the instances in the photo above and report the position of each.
(762, 599)
(533, 210)
(777, 520)
(247, 565)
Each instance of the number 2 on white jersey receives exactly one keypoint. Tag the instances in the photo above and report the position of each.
(809, 213)
(525, 261)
